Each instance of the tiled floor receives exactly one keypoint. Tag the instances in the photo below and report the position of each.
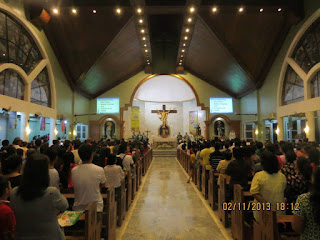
(169, 207)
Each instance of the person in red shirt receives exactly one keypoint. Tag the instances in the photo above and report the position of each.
(7, 218)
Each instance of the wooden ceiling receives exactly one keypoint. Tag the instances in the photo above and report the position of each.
(231, 51)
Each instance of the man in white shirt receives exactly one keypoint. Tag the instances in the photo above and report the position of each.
(87, 180)
(113, 172)
(54, 179)
(127, 160)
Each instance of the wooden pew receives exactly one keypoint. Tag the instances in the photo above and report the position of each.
(213, 188)
(199, 172)
(267, 227)
(222, 199)
(134, 181)
(204, 181)
(129, 190)
(137, 176)
(239, 229)
(121, 204)
(140, 172)
(90, 225)
(109, 215)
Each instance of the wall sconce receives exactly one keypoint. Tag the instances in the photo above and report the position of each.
(257, 131)
(74, 133)
(277, 131)
(56, 131)
(307, 129)
(28, 130)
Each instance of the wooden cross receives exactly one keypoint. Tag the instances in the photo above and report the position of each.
(147, 133)
(163, 109)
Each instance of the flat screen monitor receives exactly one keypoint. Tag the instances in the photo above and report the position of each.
(221, 105)
(108, 105)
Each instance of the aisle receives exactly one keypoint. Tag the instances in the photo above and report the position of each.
(169, 208)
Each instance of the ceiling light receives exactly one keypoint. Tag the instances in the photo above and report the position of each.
(181, 60)
(241, 9)
(184, 44)
(261, 9)
(4, 54)
(139, 10)
(214, 9)
(189, 20)
(142, 30)
(182, 50)
(144, 38)
(55, 11)
(180, 63)
(279, 9)
(187, 30)
(145, 45)
(146, 50)
(147, 60)
(140, 20)
(185, 38)
(94, 11)
(192, 9)
(74, 11)
(182, 56)
(148, 63)
(118, 10)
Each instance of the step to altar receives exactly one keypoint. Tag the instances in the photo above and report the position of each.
(165, 152)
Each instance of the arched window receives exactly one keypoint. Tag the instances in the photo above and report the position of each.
(11, 84)
(293, 90)
(315, 86)
(40, 89)
(16, 44)
(307, 52)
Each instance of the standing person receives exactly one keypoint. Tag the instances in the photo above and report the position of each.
(126, 157)
(65, 171)
(54, 179)
(35, 204)
(114, 174)
(223, 165)
(216, 156)
(11, 168)
(87, 180)
(289, 170)
(268, 185)
(76, 145)
(205, 155)
(193, 152)
(7, 218)
(306, 219)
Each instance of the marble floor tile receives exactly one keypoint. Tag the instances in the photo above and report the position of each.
(169, 208)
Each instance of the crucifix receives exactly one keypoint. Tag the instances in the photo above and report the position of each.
(147, 133)
(164, 114)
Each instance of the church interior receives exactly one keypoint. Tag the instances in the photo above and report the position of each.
(172, 91)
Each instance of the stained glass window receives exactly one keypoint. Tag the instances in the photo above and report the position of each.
(315, 86)
(307, 52)
(40, 89)
(16, 44)
(11, 84)
(293, 90)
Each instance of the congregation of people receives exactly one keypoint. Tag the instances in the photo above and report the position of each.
(34, 175)
(279, 173)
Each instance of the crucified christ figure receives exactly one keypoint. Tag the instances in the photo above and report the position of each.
(164, 116)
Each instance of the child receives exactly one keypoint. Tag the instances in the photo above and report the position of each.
(7, 218)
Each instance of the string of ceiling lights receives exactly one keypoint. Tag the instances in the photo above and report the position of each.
(186, 31)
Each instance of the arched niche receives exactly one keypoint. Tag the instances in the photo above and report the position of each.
(230, 125)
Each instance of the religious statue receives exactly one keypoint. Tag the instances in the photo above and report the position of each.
(179, 137)
(219, 129)
(110, 129)
(198, 130)
(164, 117)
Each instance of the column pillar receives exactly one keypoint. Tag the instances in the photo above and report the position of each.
(311, 135)
(280, 134)
(207, 129)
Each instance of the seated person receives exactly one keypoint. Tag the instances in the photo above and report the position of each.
(87, 180)
(268, 185)
(54, 179)
(125, 156)
(239, 170)
(299, 183)
(216, 156)
(7, 218)
(223, 164)
(306, 219)
(114, 174)
(205, 155)
(11, 168)
(289, 170)
(35, 204)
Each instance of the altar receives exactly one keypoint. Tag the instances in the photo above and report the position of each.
(164, 143)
